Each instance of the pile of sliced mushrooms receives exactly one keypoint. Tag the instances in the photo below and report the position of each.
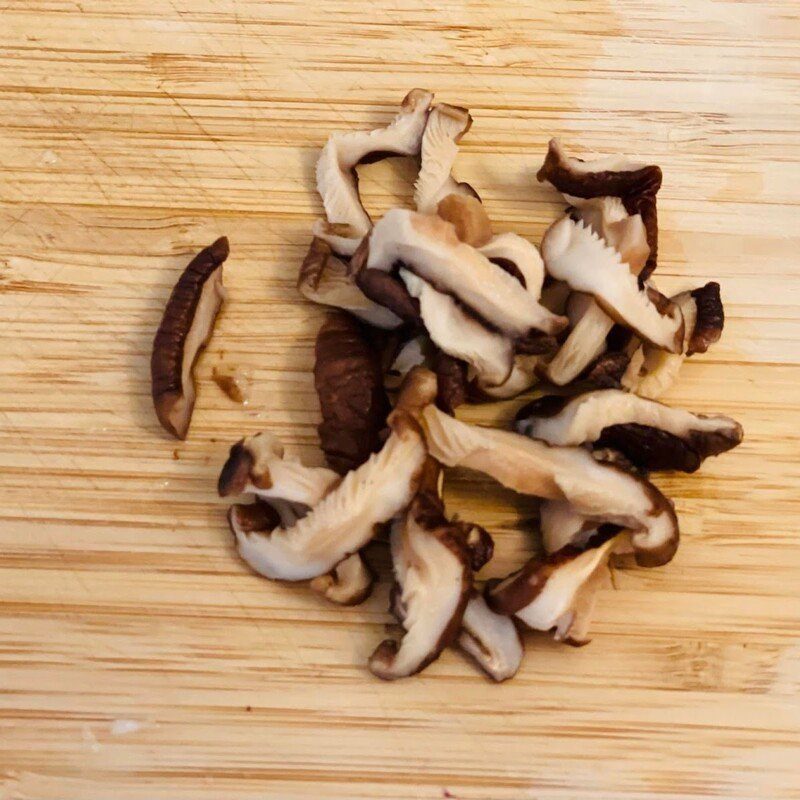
(433, 310)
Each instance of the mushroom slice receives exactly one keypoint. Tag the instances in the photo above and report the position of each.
(257, 465)
(562, 526)
(460, 334)
(522, 254)
(345, 519)
(491, 639)
(451, 380)
(413, 353)
(429, 247)
(341, 238)
(468, 217)
(635, 183)
(326, 279)
(651, 372)
(348, 377)
(186, 326)
(433, 572)
(600, 492)
(337, 182)
(653, 436)
(556, 593)
(523, 376)
(575, 254)
(348, 583)
(445, 127)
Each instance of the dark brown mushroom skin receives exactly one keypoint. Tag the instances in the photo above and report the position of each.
(655, 450)
(451, 379)
(348, 377)
(166, 362)
(636, 188)
(250, 517)
(606, 372)
(314, 263)
(710, 318)
(235, 474)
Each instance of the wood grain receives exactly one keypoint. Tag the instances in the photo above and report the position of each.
(133, 132)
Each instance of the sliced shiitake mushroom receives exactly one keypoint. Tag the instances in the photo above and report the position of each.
(327, 280)
(557, 592)
(346, 518)
(186, 326)
(511, 248)
(429, 247)
(574, 253)
(469, 218)
(651, 435)
(598, 491)
(491, 639)
(348, 377)
(337, 181)
(445, 127)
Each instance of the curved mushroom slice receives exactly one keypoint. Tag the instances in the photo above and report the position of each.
(556, 593)
(562, 526)
(635, 183)
(345, 519)
(491, 639)
(348, 583)
(343, 239)
(459, 334)
(522, 254)
(585, 343)
(651, 372)
(599, 492)
(429, 247)
(653, 436)
(524, 375)
(348, 377)
(326, 279)
(445, 127)
(186, 326)
(433, 572)
(468, 216)
(573, 253)
(257, 465)
(337, 182)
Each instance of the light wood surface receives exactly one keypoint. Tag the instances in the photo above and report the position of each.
(139, 659)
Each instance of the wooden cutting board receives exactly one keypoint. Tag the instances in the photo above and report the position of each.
(139, 659)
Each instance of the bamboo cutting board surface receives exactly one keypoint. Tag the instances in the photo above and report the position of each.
(139, 659)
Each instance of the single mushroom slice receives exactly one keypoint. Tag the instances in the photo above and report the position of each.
(185, 329)
(524, 375)
(346, 518)
(651, 435)
(491, 639)
(556, 593)
(600, 492)
(348, 377)
(337, 181)
(636, 183)
(432, 566)
(651, 372)
(348, 583)
(561, 526)
(343, 239)
(429, 247)
(575, 254)
(514, 249)
(459, 334)
(327, 280)
(468, 216)
(445, 127)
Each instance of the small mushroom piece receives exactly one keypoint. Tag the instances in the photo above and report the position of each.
(337, 181)
(556, 593)
(348, 377)
(445, 127)
(451, 380)
(346, 518)
(574, 253)
(524, 375)
(468, 216)
(562, 526)
(429, 247)
(257, 465)
(651, 372)
(635, 183)
(513, 248)
(491, 639)
(326, 279)
(185, 329)
(433, 572)
(599, 492)
(459, 334)
(348, 583)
